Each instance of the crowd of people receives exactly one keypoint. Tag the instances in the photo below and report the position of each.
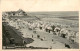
(55, 28)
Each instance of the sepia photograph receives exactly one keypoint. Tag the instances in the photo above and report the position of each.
(40, 30)
(40, 25)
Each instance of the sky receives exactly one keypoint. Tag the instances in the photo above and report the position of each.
(40, 5)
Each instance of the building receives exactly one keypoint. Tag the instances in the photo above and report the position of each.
(20, 12)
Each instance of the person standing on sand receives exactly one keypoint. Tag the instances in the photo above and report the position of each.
(38, 36)
(32, 36)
